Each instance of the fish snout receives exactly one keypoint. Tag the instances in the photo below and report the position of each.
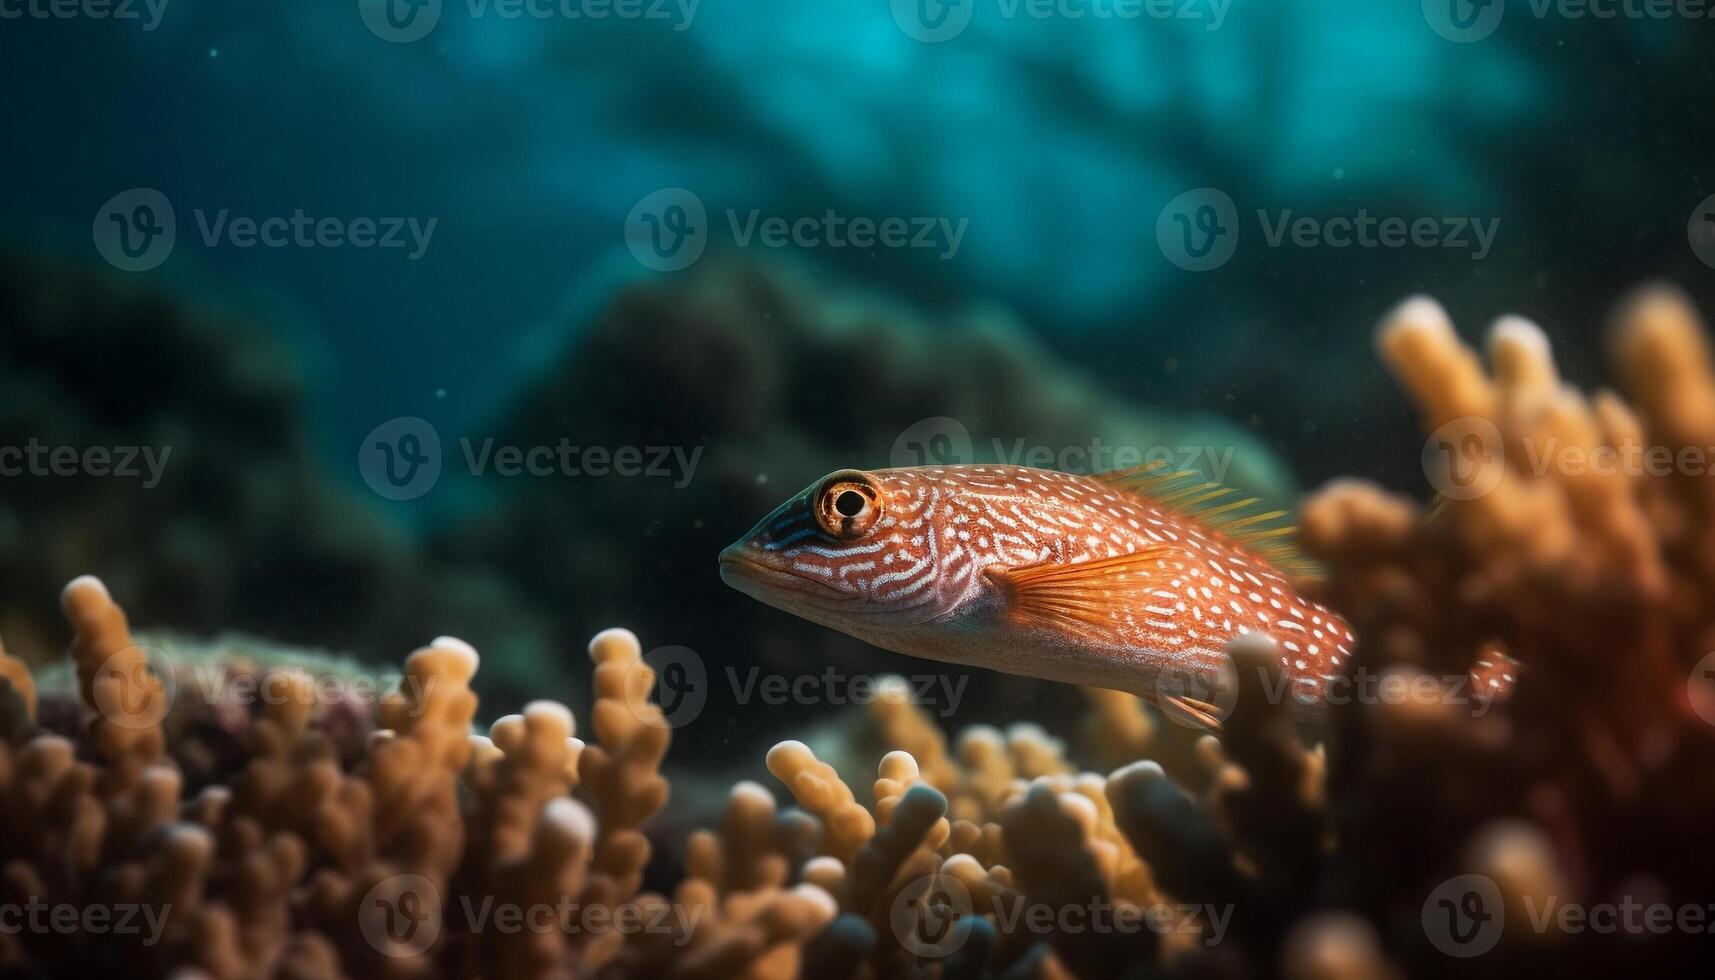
(732, 560)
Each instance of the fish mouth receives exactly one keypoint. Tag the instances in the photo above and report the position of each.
(735, 567)
(774, 586)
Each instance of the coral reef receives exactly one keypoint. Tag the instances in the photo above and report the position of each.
(526, 853)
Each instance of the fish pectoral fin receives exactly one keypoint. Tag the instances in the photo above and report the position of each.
(1084, 595)
(1191, 711)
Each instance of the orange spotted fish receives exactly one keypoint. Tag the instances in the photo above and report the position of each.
(1114, 581)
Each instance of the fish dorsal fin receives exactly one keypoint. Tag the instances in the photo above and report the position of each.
(1084, 595)
(1246, 521)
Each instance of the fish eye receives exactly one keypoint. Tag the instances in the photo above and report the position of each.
(850, 503)
(847, 504)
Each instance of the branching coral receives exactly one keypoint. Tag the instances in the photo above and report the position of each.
(1580, 548)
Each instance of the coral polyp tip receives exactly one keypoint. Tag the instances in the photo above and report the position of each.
(189, 840)
(1137, 772)
(83, 590)
(465, 654)
(892, 687)
(787, 751)
(162, 778)
(572, 818)
(1333, 945)
(1416, 315)
(551, 712)
(899, 765)
(752, 793)
(616, 643)
(984, 736)
(53, 746)
(1513, 331)
(822, 904)
(1656, 303)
